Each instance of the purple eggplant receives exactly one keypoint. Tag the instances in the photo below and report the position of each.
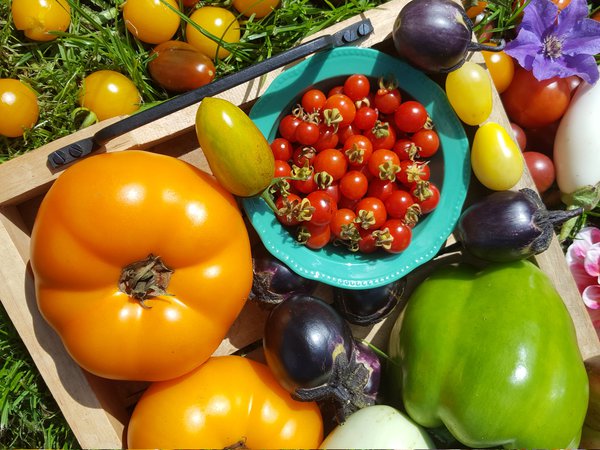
(311, 351)
(368, 306)
(509, 225)
(435, 35)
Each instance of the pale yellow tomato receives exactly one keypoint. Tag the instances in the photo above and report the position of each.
(218, 22)
(151, 21)
(109, 94)
(496, 159)
(469, 91)
(37, 17)
(18, 107)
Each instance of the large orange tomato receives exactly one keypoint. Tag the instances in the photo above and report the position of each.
(228, 402)
(141, 264)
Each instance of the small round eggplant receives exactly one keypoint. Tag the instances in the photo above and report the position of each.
(509, 225)
(273, 281)
(311, 351)
(435, 35)
(368, 306)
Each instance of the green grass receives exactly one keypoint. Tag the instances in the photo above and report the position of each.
(97, 39)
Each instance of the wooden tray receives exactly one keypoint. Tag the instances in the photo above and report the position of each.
(98, 409)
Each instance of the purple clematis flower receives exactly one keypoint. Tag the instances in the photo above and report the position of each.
(557, 44)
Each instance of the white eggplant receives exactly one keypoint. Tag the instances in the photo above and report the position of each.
(377, 426)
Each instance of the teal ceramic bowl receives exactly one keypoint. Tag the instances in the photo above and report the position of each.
(450, 170)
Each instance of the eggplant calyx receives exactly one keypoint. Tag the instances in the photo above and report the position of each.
(145, 279)
(345, 387)
(260, 292)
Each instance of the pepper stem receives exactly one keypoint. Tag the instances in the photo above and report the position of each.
(145, 279)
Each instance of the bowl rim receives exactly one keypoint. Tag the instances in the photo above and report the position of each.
(343, 268)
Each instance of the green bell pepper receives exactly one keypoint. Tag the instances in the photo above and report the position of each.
(492, 355)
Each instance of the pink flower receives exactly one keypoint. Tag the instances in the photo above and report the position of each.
(583, 258)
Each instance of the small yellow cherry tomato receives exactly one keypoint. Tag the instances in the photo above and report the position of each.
(469, 91)
(18, 107)
(501, 68)
(37, 17)
(151, 21)
(109, 94)
(496, 159)
(260, 8)
(219, 22)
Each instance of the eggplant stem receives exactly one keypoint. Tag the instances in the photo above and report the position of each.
(560, 216)
(477, 47)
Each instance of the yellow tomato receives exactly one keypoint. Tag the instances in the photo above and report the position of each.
(496, 159)
(260, 8)
(18, 107)
(151, 21)
(469, 91)
(37, 17)
(109, 94)
(220, 23)
(501, 68)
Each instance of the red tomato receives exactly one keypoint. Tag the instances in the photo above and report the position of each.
(358, 150)
(520, 135)
(331, 161)
(303, 156)
(357, 87)
(313, 100)
(308, 185)
(397, 204)
(342, 224)
(541, 169)
(366, 118)
(333, 190)
(382, 135)
(400, 233)
(413, 171)
(531, 103)
(288, 126)
(427, 141)
(367, 242)
(370, 213)
(339, 110)
(286, 209)
(410, 116)
(381, 189)
(314, 236)
(282, 149)
(387, 100)
(324, 207)
(307, 133)
(354, 185)
(384, 164)
(405, 149)
(282, 169)
(328, 138)
(427, 196)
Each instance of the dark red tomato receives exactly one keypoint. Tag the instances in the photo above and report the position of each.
(541, 169)
(354, 185)
(339, 89)
(313, 100)
(428, 198)
(366, 118)
(370, 213)
(332, 161)
(179, 67)
(358, 150)
(288, 126)
(324, 207)
(357, 87)
(328, 138)
(381, 189)
(342, 225)
(531, 103)
(282, 149)
(397, 204)
(382, 135)
(303, 156)
(410, 116)
(405, 149)
(339, 110)
(387, 100)
(314, 236)
(345, 132)
(286, 209)
(347, 203)
(333, 190)
(307, 133)
(384, 164)
(400, 233)
(305, 186)
(367, 242)
(520, 136)
(282, 169)
(427, 141)
(413, 171)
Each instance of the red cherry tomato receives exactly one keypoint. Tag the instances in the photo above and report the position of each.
(370, 213)
(381, 189)
(328, 138)
(331, 161)
(384, 164)
(339, 110)
(382, 135)
(366, 118)
(288, 126)
(410, 116)
(531, 103)
(541, 169)
(357, 87)
(307, 133)
(387, 100)
(412, 172)
(428, 202)
(520, 135)
(397, 204)
(342, 224)
(405, 149)
(401, 235)
(282, 149)
(358, 150)
(354, 185)
(285, 209)
(324, 207)
(314, 236)
(427, 141)
(313, 100)
(303, 156)
(282, 169)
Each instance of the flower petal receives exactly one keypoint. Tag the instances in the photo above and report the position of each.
(524, 48)
(591, 297)
(583, 38)
(569, 16)
(591, 264)
(539, 15)
(583, 66)
(589, 235)
(581, 277)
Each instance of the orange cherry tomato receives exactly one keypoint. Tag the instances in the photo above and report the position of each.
(501, 68)
(228, 402)
(219, 22)
(260, 8)
(19, 108)
(109, 94)
(141, 264)
(151, 21)
(37, 18)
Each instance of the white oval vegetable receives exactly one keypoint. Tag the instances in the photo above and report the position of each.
(377, 426)
(576, 145)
